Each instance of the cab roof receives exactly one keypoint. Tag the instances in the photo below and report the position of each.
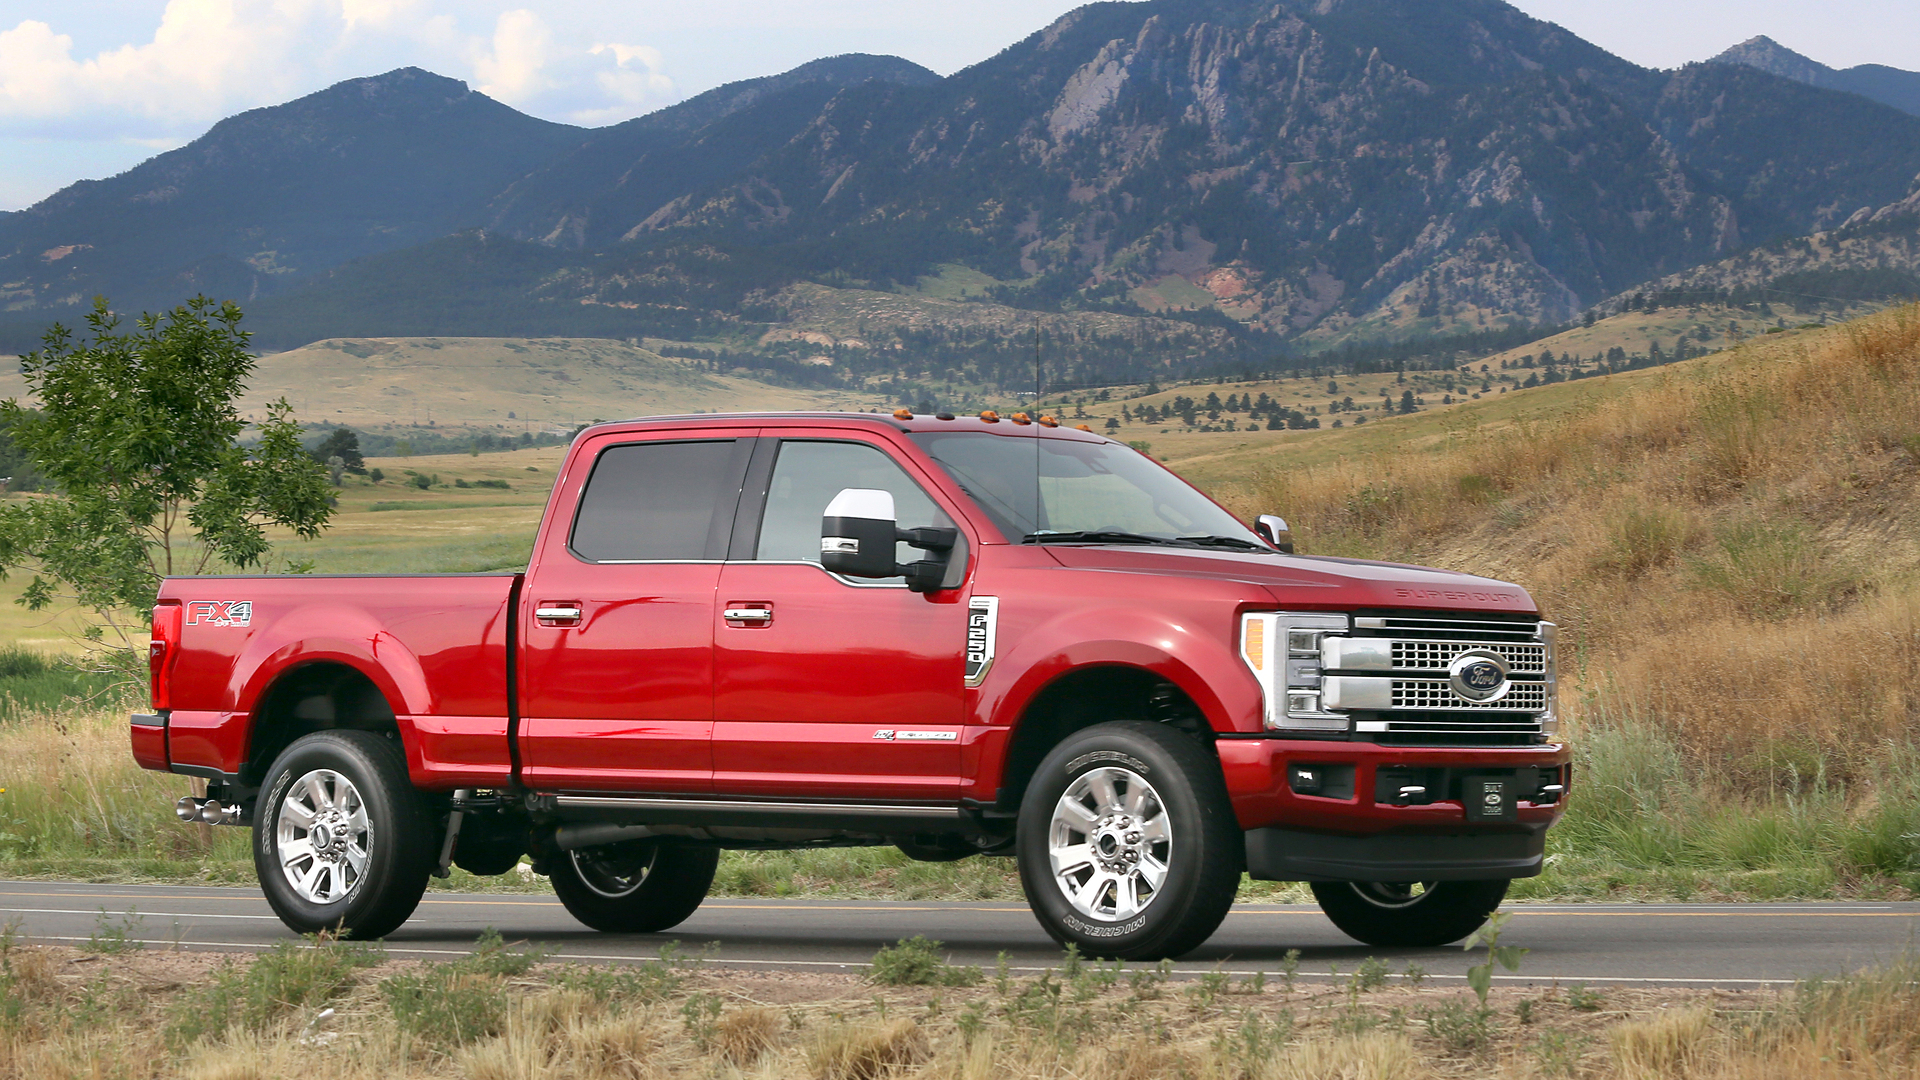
(987, 421)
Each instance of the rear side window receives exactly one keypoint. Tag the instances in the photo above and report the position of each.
(655, 502)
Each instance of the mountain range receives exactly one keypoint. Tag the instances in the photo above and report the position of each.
(1220, 179)
(1886, 85)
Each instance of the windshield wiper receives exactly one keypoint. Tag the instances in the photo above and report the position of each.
(1103, 536)
(1225, 541)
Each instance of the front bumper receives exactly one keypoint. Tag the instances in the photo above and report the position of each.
(1297, 855)
(1363, 796)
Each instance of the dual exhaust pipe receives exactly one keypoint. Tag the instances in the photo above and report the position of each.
(209, 811)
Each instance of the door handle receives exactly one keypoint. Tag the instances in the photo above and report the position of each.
(557, 613)
(748, 613)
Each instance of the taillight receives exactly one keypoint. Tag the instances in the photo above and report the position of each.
(160, 654)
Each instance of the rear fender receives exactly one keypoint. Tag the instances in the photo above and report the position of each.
(343, 635)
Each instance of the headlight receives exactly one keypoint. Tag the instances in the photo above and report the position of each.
(1283, 650)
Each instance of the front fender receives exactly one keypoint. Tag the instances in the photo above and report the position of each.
(1194, 658)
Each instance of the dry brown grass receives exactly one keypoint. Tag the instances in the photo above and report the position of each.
(65, 1014)
(1733, 545)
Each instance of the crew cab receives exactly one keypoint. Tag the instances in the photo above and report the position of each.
(977, 636)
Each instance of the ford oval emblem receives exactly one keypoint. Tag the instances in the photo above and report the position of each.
(1479, 675)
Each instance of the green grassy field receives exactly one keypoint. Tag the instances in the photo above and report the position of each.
(1685, 788)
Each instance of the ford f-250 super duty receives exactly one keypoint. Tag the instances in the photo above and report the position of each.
(960, 636)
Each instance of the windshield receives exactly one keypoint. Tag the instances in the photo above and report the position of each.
(1092, 492)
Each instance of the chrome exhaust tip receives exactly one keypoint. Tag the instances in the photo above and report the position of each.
(187, 808)
(213, 812)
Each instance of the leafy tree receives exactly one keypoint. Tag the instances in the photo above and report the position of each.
(138, 435)
(342, 443)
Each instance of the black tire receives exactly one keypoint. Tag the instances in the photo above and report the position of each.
(1184, 798)
(384, 823)
(1396, 916)
(634, 887)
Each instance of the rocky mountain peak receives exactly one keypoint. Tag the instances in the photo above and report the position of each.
(1770, 56)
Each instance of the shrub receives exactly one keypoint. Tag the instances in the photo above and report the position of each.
(916, 961)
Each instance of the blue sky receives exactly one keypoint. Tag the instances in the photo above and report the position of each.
(89, 88)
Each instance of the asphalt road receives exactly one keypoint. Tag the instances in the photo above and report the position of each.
(1731, 945)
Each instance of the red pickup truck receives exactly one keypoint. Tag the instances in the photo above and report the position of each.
(958, 636)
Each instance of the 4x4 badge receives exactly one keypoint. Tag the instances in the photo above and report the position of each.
(983, 616)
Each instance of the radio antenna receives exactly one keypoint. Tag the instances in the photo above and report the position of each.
(1037, 515)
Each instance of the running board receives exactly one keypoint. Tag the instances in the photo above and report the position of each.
(678, 810)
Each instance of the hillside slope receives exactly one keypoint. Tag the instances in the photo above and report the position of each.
(1700, 532)
(456, 386)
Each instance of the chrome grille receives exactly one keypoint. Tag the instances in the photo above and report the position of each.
(1436, 655)
(1451, 626)
(1438, 694)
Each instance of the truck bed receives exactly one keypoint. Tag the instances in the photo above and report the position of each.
(436, 647)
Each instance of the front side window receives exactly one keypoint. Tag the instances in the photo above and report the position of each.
(1042, 490)
(806, 477)
(655, 502)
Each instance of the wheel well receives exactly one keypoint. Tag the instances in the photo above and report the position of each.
(1086, 697)
(314, 697)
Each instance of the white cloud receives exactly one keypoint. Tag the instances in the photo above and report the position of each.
(206, 59)
(514, 70)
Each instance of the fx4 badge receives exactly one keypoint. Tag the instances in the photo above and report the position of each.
(220, 613)
(983, 616)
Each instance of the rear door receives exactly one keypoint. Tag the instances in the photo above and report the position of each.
(827, 686)
(617, 618)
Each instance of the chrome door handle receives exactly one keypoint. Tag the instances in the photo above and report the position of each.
(757, 616)
(554, 613)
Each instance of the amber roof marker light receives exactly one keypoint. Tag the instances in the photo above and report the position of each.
(1083, 427)
(990, 416)
(903, 414)
(1021, 418)
(1048, 421)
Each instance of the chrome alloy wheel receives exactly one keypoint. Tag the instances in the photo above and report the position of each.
(614, 875)
(1110, 844)
(1392, 894)
(322, 836)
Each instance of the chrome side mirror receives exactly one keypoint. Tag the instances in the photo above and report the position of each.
(857, 534)
(1273, 529)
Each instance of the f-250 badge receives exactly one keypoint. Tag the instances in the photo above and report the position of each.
(220, 613)
(983, 616)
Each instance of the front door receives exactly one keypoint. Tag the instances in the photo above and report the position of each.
(826, 686)
(617, 620)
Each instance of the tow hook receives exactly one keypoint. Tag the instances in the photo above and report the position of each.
(210, 811)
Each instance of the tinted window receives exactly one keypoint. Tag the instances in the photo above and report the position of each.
(1034, 487)
(808, 475)
(654, 501)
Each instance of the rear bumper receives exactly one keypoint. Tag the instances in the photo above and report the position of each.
(149, 734)
(1276, 854)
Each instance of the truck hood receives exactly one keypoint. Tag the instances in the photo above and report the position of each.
(1309, 581)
